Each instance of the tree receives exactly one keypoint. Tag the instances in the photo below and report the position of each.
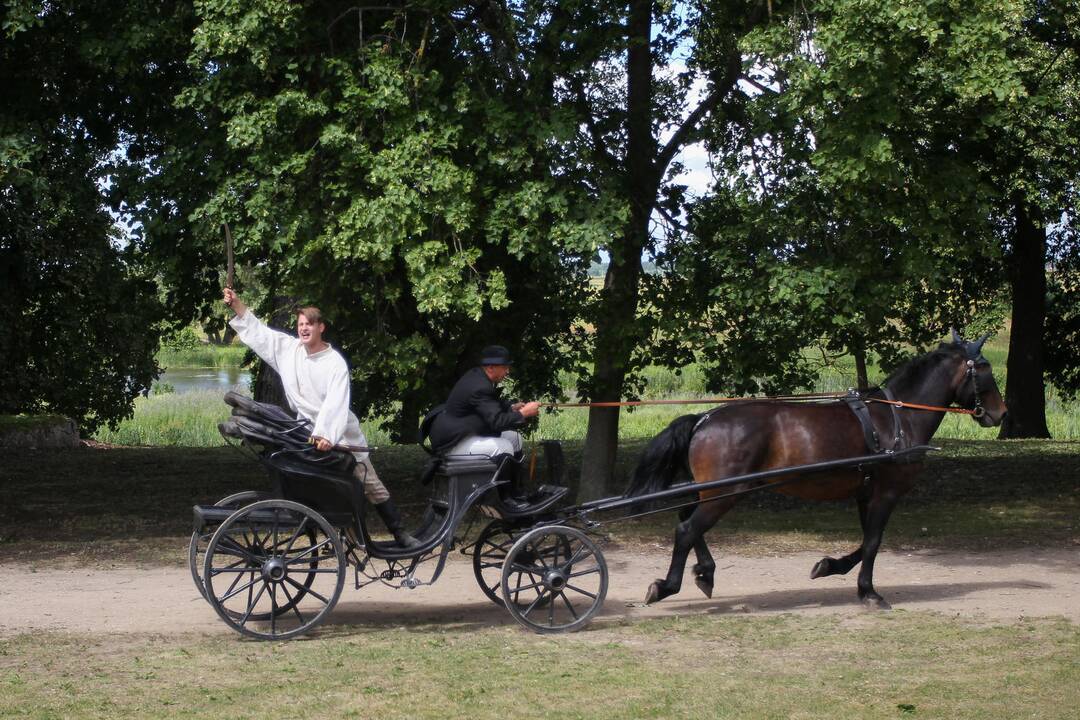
(871, 181)
(80, 323)
(394, 166)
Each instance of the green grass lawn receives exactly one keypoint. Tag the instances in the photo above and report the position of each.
(877, 666)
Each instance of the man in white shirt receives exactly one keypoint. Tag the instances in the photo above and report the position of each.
(316, 381)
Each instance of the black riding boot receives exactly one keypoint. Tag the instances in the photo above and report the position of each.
(392, 519)
(510, 493)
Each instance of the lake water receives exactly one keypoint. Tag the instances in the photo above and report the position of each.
(221, 379)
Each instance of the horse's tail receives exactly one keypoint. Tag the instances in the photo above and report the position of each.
(665, 459)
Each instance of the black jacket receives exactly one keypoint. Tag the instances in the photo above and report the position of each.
(473, 408)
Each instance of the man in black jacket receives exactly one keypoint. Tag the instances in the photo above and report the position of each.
(476, 420)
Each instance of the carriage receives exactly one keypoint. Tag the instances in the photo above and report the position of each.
(273, 565)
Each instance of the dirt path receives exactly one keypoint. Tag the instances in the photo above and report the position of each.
(997, 586)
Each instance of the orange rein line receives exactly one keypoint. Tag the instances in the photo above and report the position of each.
(776, 398)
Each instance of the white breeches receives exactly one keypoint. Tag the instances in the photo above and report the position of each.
(508, 443)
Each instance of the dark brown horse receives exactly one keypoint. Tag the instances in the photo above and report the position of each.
(745, 437)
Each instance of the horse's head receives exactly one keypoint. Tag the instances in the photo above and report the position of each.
(974, 381)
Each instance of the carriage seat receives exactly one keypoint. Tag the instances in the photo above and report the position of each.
(484, 469)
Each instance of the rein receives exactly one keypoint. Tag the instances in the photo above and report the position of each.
(978, 411)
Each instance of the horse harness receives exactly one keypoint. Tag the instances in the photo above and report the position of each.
(859, 408)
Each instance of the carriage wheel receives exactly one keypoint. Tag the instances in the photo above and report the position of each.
(274, 569)
(489, 554)
(199, 538)
(554, 579)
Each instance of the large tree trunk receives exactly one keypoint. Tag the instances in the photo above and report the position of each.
(1025, 389)
(616, 324)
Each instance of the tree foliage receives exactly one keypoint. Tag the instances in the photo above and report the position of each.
(79, 323)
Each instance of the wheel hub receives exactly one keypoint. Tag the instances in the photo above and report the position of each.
(274, 570)
(555, 580)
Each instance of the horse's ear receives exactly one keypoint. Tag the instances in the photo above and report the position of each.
(979, 343)
(956, 337)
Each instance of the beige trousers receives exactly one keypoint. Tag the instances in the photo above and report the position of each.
(374, 490)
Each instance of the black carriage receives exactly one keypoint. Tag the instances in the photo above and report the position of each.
(273, 564)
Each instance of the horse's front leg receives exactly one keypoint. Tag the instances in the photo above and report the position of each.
(689, 534)
(879, 509)
(841, 566)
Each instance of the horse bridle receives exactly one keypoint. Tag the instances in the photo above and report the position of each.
(978, 410)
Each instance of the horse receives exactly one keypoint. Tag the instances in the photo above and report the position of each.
(753, 435)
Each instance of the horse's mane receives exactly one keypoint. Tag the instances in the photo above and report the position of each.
(921, 363)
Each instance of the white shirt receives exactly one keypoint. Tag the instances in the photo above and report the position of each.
(316, 384)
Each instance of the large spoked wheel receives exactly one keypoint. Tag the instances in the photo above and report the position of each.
(554, 579)
(200, 538)
(274, 569)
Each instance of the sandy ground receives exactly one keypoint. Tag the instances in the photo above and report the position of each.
(993, 586)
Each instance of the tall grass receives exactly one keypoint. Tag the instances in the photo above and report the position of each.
(187, 420)
(190, 419)
(204, 356)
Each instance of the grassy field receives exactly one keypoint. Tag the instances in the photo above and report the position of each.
(881, 666)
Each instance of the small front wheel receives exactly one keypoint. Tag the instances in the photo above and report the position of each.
(554, 579)
(274, 569)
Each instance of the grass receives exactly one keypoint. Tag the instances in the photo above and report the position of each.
(190, 419)
(204, 356)
(880, 666)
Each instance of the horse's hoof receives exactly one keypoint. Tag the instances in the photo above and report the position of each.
(821, 569)
(875, 602)
(704, 586)
(653, 595)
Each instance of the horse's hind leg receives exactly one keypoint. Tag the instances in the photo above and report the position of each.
(689, 534)
(841, 566)
(705, 567)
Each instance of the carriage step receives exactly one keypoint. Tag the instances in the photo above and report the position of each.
(205, 515)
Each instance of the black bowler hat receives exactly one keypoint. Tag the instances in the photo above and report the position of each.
(495, 355)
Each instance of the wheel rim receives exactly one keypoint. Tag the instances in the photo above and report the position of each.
(274, 569)
(200, 539)
(554, 579)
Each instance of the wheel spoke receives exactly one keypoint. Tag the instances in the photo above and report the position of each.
(579, 590)
(569, 605)
(252, 604)
(582, 553)
(587, 571)
(521, 587)
(310, 550)
(293, 603)
(273, 608)
(540, 556)
(237, 579)
(526, 611)
(238, 590)
(296, 534)
(230, 546)
(307, 590)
